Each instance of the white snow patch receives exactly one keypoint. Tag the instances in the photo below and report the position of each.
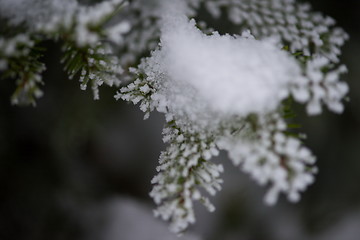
(228, 75)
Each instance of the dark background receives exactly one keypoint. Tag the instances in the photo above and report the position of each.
(75, 168)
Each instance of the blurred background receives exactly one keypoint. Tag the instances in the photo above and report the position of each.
(77, 169)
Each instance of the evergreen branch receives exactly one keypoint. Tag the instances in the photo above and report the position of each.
(19, 59)
(96, 66)
(184, 167)
(138, 91)
(272, 157)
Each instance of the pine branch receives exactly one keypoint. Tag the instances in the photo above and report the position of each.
(86, 46)
(19, 59)
(94, 65)
(264, 150)
(183, 169)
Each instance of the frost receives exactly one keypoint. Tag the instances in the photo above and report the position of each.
(182, 171)
(270, 157)
(321, 86)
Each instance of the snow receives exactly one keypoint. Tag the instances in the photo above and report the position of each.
(228, 75)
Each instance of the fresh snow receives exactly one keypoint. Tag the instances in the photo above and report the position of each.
(229, 75)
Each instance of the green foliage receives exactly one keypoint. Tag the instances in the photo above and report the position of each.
(87, 52)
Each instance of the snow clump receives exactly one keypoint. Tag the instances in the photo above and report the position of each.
(222, 74)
